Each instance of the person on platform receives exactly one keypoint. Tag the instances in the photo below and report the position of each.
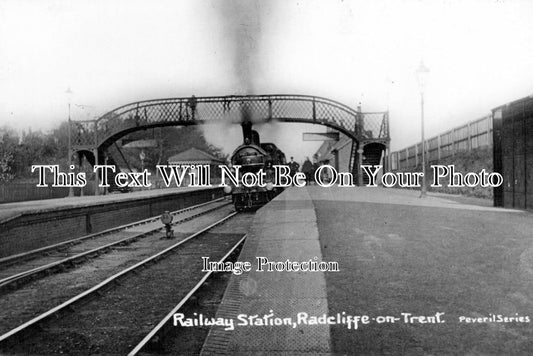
(294, 167)
(325, 175)
(316, 165)
(307, 169)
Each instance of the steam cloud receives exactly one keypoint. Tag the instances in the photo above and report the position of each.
(242, 23)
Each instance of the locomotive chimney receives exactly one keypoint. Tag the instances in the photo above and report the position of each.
(247, 132)
(255, 138)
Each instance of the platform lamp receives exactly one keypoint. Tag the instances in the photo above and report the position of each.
(68, 94)
(142, 156)
(422, 75)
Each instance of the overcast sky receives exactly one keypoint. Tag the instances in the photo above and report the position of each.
(110, 53)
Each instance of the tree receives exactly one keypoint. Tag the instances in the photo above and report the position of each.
(8, 144)
(173, 140)
(6, 161)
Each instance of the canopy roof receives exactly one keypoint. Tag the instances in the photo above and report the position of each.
(194, 156)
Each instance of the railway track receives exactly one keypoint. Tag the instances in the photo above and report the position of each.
(160, 272)
(155, 335)
(19, 269)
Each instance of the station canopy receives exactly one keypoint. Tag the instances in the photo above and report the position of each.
(194, 156)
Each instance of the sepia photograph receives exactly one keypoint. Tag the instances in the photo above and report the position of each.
(266, 177)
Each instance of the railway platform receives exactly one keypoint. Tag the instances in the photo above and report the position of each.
(9, 211)
(412, 275)
(32, 224)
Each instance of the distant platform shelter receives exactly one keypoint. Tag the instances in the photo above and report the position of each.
(194, 156)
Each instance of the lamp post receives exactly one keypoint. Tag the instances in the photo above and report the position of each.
(142, 156)
(421, 75)
(68, 93)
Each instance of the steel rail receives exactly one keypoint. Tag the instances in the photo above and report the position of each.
(21, 256)
(98, 250)
(165, 320)
(113, 278)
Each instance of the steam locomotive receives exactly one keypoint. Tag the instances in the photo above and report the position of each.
(253, 156)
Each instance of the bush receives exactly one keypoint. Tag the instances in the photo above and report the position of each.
(464, 162)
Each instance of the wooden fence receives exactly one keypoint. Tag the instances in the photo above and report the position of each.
(472, 135)
(13, 192)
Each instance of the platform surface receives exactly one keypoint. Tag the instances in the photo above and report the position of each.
(399, 256)
(9, 211)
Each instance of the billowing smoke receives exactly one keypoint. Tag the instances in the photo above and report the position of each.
(228, 135)
(242, 23)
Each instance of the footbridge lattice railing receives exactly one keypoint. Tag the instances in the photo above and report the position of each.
(101, 133)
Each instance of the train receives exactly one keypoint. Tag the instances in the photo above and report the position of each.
(252, 156)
